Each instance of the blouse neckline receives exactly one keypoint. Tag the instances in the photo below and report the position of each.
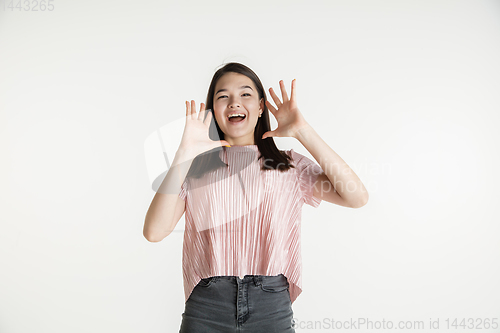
(247, 148)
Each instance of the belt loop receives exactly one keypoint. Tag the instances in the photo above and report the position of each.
(257, 279)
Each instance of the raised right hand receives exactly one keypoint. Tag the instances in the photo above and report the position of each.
(195, 139)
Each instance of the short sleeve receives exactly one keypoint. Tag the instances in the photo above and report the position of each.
(183, 192)
(308, 172)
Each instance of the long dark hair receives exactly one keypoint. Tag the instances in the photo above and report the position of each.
(273, 157)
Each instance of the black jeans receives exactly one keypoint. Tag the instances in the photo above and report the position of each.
(256, 303)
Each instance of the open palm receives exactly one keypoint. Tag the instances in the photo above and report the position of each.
(287, 114)
(195, 138)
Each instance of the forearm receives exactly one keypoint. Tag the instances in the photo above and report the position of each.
(342, 177)
(159, 221)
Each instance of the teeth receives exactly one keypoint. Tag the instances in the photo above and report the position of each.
(235, 114)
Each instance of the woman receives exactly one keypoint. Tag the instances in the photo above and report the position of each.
(243, 199)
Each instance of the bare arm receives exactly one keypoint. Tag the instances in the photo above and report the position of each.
(345, 188)
(336, 173)
(167, 207)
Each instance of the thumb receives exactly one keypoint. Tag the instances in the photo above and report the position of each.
(267, 134)
(224, 143)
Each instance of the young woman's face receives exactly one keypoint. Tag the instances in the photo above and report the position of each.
(236, 93)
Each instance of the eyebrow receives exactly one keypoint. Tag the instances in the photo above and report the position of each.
(242, 87)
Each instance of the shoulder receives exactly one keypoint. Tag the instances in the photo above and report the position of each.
(295, 156)
(292, 153)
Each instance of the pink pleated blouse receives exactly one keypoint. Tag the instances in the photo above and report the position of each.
(241, 220)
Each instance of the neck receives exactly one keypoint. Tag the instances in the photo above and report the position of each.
(243, 148)
(244, 140)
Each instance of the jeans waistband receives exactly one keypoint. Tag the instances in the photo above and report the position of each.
(257, 279)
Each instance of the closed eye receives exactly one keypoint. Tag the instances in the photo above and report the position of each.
(226, 96)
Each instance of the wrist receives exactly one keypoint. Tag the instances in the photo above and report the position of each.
(302, 132)
(183, 155)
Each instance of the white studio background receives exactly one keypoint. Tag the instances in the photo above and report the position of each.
(406, 92)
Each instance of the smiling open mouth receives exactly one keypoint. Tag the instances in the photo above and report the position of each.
(236, 119)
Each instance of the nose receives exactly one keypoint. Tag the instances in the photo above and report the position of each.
(234, 104)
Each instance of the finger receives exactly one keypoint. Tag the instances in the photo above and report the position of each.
(283, 91)
(202, 111)
(224, 143)
(270, 107)
(275, 98)
(208, 117)
(193, 110)
(268, 134)
(294, 90)
(188, 110)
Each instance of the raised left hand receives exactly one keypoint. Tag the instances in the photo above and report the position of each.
(288, 116)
